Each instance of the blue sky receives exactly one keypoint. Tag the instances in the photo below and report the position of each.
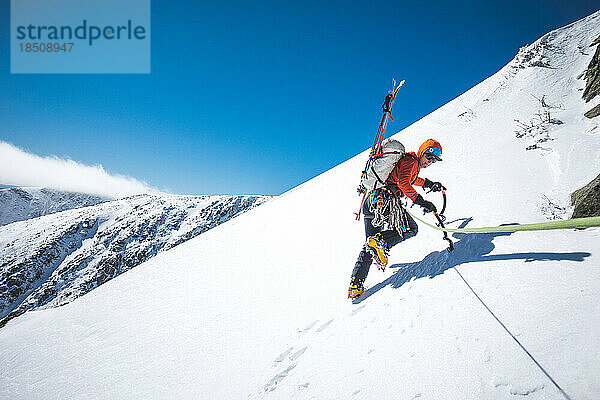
(258, 97)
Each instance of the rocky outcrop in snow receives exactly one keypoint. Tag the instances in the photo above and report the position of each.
(592, 75)
(594, 112)
(587, 200)
(52, 260)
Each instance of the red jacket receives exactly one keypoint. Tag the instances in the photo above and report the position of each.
(405, 175)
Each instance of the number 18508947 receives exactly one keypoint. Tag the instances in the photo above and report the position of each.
(46, 47)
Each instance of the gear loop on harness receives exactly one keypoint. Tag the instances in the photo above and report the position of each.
(388, 210)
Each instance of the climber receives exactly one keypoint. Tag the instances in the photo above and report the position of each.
(399, 183)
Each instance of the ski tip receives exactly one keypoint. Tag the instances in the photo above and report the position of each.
(397, 88)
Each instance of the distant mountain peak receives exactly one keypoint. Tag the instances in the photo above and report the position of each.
(22, 203)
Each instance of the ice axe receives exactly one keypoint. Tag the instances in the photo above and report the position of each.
(441, 218)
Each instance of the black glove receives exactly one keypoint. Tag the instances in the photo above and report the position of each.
(427, 205)
(434, 186)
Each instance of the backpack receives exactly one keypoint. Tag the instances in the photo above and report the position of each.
(381, 165)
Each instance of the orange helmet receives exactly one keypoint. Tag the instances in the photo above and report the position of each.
(430, 146)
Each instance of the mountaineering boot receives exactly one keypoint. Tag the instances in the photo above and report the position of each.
(356, 288)
(378, 249)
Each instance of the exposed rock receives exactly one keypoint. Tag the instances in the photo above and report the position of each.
(594, 112)
(587, 200)
(535, 55)
(592, 76)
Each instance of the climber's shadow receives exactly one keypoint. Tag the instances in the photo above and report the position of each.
(470, 248)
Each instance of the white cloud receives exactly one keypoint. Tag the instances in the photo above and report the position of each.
(20, 168)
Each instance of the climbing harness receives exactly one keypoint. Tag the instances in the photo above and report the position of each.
(387, 208)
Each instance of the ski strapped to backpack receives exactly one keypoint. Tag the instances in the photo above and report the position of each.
(384, 155)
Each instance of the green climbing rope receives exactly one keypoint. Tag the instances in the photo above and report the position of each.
(575, 223)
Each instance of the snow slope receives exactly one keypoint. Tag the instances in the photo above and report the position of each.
(256, 307)
(52, 260)
(21, 203)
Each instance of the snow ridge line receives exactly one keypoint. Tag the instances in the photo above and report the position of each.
(513, 336)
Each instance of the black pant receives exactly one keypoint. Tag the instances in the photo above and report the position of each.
(391, 237)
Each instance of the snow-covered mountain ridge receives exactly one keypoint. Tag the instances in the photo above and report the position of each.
(52, 260)
(20, 203)
(256, 307)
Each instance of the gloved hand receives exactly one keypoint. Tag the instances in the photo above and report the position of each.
(427, 205)
(434, 186)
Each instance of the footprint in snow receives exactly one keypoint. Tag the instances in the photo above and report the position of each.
(498, 382)
(308, 328)
(354, 312)
(324, 326)
(297, 354)
(518, 390)
(276, 380)
(272, 384)
(525, 391)
(283, 355)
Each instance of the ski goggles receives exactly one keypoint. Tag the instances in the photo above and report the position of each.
(433, 154)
